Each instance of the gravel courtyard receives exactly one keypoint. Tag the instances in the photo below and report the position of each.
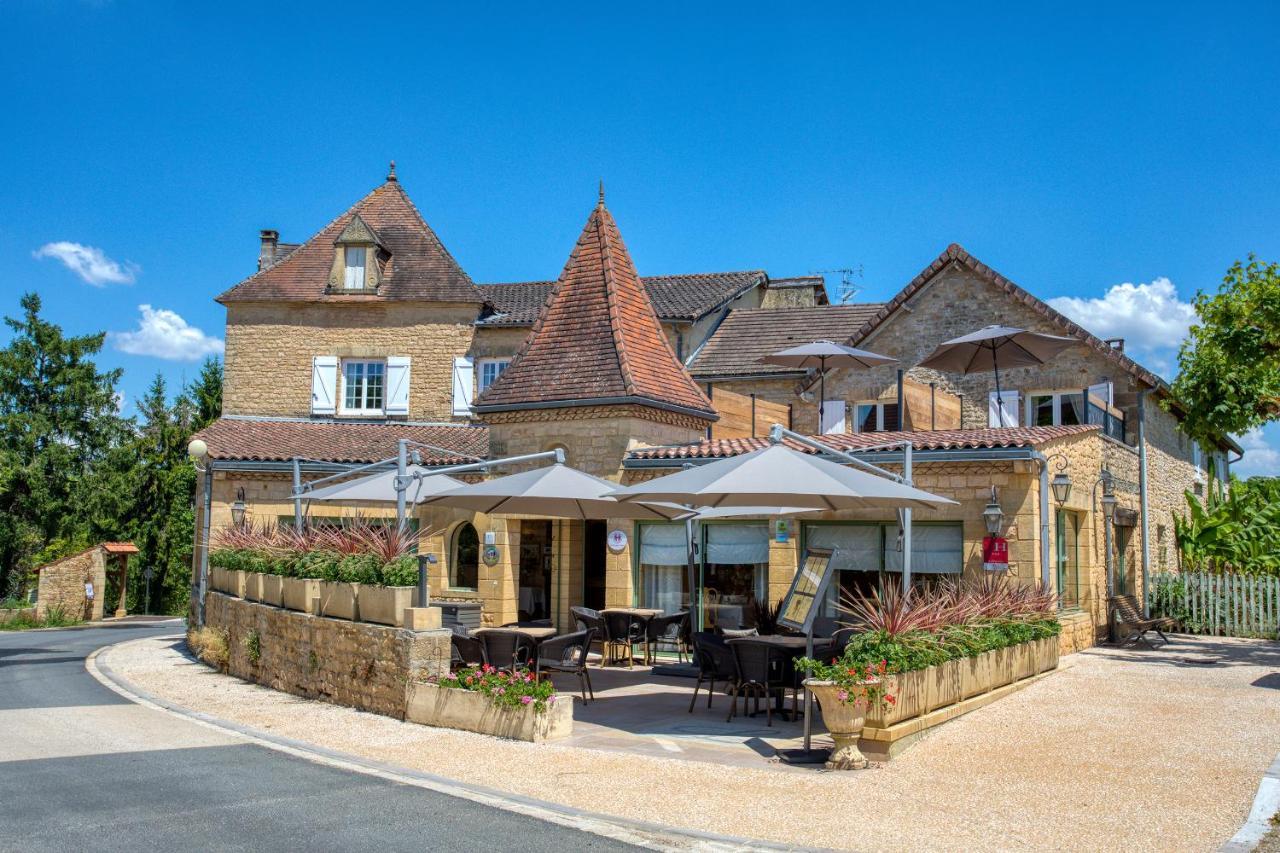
(1120, 749)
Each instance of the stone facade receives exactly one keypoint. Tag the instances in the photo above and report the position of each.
(270, 346)
(62, 585)
(348, 663)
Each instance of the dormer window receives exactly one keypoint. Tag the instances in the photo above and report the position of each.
(359, 260)
(355, 257)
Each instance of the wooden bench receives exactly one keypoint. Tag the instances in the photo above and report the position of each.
(1129, 613)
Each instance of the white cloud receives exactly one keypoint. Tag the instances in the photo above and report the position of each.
(164, 334)
(90, 263)
(1260, 458)
(1148, 316)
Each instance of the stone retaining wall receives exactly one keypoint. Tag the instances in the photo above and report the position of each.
(61, 585)
(348, 663)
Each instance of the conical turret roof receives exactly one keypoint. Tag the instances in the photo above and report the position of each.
(597, 340)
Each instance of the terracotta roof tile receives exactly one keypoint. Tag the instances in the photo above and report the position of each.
(272, 440)
(921, 440)
(419, 266)
(598, 340)
(120, 548)
(675, 298)
(747, 334)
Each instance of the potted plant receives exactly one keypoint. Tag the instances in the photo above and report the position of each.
(393, 592)
(845, 693)
(491, 701)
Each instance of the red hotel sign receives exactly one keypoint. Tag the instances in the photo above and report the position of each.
(995, 554)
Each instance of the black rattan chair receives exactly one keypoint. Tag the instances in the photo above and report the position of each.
(568, 653)
(465, 651)
(530, 623)
(507, 649)
(586, 618)
(671, 631)
(715, 663)
(761, 675)
(840, 639)
(623, 631)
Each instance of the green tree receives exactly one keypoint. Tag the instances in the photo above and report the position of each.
(205, 394)
(58, 421)
(1232, 530)
(1229, 366)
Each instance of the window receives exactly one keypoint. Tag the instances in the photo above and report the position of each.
(733, 571)
(1067, 557)
(875, 417)
(362, 387)
(491, 369)
(354, 257)
(464, 562)
(865, 553)
(1055, 408)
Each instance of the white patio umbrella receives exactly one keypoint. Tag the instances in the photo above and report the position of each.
(382, 487)
(557, 491)
(993, 348)
(823, 355)
(779, 476)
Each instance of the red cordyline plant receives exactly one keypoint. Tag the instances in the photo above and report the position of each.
(385, 541)
(948, 604)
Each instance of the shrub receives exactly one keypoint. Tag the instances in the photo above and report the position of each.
(505, 689)
(401, 572)
(211, 646)
(253, 646)
(359, 553)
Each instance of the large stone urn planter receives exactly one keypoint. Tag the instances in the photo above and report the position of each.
(844, 721)
(340, 600)
(301, 594)
(452, 708)
(385, 604)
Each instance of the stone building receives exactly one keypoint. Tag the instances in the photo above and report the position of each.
(370, 332)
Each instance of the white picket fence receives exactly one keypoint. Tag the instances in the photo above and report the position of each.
(1224, 605)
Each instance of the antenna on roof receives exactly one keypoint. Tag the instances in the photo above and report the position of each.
(847, 287)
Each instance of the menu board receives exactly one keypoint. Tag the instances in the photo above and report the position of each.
(801, 604)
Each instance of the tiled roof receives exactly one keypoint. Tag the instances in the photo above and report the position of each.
(798, 281)
(675, 297)
(950, 439)
(598, 340)
(278, 440)
(747, 334)
(419, 266)
(120, 548)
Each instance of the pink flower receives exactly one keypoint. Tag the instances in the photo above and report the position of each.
(842, 695)
(525, 700)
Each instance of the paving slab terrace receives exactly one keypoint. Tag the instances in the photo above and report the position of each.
(1120, 749)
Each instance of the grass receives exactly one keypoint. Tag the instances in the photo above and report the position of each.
(56, 617)
(211, 645)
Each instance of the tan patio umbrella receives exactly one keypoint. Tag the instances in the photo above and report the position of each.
(823, 355)
(779, 476)
(557, 491)
(993, 348)
(382, 487)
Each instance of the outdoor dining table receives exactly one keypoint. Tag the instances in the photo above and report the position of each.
(792, 645)
(536, 633)
(640, 615)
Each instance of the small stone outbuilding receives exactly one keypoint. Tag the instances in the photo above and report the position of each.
(65, 584)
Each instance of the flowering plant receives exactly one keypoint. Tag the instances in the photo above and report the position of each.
(504, 688)
(853, 683)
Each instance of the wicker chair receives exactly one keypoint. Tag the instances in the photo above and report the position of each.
(507, 649)
(530, 623)
(671, 631)
(465, 651)
(623, 631)
(761, 675)
(586, 618)
(715, 663)
(568, 653)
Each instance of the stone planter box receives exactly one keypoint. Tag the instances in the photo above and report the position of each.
(927, 690)
(385, 604)
(301, 594)
(451, 708)
(234, 581)
(340, 600)
(273, 590)
(253, 586)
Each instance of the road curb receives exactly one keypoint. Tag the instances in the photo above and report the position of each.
(640, 833)
(1265, 804)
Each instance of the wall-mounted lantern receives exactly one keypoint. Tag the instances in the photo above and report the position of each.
(238, 508)
(994, 515)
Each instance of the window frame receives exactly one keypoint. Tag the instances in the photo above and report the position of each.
(451, 576)
(1028, 406)
(481, 364)
(348, 267)
(362, 411)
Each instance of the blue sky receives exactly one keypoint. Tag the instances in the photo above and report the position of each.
(1076, 150)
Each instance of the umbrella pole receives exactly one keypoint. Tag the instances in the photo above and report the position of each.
(822, 391)
(999, 400)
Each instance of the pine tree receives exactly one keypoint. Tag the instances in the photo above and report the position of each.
(58, 420)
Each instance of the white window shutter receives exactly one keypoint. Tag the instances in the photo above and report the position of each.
(832, 416)
(397, 385)
(1007, 418)
(464, 383)
(324, 385)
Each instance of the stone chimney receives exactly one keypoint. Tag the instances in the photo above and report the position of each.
(1116, 344)
(267, 251)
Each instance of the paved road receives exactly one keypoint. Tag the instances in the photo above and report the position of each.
(82, 768)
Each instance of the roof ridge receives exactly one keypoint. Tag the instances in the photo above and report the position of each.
(611, 295)
(304, 243)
